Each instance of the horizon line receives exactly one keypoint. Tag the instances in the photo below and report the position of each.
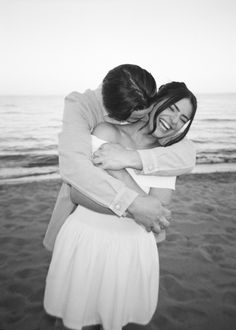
(64, 94)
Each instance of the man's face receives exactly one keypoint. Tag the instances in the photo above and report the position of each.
(136, 115)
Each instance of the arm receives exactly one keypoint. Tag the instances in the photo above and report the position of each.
(168, 161)
(78, 198)
(177, 159)
(145, 209)
(109, 132)
(76, 168)
(164, 195)
(80, 117)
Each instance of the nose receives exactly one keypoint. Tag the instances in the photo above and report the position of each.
(175, 118)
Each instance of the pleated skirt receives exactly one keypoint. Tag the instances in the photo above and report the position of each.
(104, 270)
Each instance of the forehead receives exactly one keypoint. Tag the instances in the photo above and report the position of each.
(185, 107)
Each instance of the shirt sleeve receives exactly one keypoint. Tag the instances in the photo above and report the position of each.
(177, 159)
(75, 152)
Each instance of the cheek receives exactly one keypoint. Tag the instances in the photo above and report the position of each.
(181, 126)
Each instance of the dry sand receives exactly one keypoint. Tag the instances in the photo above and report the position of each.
(197, 261)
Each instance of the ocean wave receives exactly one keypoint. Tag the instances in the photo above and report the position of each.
(18, 150)
(18, 175)
(217, 120)
(219, 151)
(28, 160)
(215, 159)
(40, 161)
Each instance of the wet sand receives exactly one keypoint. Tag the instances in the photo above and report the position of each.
(197, 261)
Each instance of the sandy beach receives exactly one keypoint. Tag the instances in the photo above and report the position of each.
(197, 261)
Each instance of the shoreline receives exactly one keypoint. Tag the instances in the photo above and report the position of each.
(199, 169)
(197, 260)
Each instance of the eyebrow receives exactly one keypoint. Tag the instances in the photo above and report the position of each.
(177, 108)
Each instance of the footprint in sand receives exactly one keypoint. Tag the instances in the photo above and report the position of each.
(230, 311)
(229, 297)
(20, 288)
(37, 295)
(12, 302)
(174, 288)
(188, 316)
(174, 237)
(231, 230)
(212, 252)
(27, 273)
(202, 208)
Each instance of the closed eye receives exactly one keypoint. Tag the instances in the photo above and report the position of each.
(185, 118)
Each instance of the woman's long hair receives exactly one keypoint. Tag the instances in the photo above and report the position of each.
(171, 93)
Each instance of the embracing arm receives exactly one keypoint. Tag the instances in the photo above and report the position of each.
(177, 159)
(78, 198)
(76, 168)
(81, 114)
(174, 160)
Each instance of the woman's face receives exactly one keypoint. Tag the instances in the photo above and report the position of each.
(170, 121)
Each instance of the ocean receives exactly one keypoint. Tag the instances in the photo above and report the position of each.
(29, 128)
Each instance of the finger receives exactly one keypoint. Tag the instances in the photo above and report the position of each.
(97, 153)
(96, 161)
(166, 213)
(148, 228)
(164, 222)
(156, 228)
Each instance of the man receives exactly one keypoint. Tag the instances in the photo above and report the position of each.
(127, 94)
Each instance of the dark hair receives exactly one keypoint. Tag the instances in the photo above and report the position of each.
(171, 93)
(126, 88)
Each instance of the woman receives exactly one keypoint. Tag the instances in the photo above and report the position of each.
(105, 270)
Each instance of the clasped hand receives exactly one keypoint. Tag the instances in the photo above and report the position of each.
(111, 156)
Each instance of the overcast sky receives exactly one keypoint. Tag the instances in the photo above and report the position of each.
(56, 46)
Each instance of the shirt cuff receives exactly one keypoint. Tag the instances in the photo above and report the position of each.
(122, 201)
(149, 161)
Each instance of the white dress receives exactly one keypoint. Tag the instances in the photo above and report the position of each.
(104, 269)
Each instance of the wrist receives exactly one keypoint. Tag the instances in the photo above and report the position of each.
(135, 204)
(134, 160)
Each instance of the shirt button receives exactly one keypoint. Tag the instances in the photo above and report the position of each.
(117, 206)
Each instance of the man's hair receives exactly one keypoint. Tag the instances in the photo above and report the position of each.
(126, 88)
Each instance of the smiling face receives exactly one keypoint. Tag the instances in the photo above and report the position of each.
(170, 121)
